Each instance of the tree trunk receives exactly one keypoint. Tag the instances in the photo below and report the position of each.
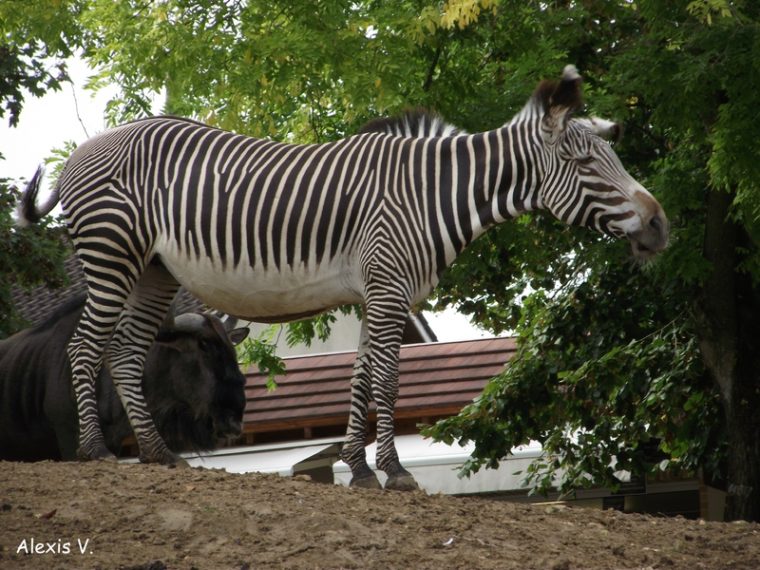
(730, 344)
(743, 461)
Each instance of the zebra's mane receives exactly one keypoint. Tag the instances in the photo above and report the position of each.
(413, 123)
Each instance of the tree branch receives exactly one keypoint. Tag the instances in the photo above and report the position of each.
(431, 70)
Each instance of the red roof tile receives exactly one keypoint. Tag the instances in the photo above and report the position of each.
(436, 379)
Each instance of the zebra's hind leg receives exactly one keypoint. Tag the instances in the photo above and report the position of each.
(361, 392)
(135, 331)
(85, 351)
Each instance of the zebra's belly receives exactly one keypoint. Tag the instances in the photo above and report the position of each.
(267, 295)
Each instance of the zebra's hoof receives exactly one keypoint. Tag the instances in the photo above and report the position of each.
(367, 482)
(95, 453)
(179, 464)
(402, 482)
(165, 458)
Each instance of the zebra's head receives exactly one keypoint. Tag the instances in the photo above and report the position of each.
(584, 183)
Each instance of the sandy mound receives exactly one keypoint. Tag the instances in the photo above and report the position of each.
(99, 515)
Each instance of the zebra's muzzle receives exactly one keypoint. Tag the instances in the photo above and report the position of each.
(652, 238)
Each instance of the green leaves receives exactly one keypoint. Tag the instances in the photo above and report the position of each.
(261, 352)
(35, 37)
(303, 332)
(709, 10)
(29, 256)
(607, 377)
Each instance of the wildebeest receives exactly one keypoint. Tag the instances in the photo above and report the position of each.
(192, 383)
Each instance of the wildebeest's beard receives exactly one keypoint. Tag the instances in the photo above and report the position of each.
(228, 407)
(185, 429)
(226, 424)
(182, 429)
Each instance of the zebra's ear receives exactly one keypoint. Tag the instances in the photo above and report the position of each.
(561, 99)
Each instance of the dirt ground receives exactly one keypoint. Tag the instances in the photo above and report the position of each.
(109, 516)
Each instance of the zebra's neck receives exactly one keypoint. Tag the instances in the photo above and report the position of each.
(481, 180)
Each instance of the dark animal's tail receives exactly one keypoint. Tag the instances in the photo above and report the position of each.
(28, 212)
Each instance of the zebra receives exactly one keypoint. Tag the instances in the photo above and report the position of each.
(272, 232)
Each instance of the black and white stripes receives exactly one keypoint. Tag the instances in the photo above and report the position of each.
(270, 232)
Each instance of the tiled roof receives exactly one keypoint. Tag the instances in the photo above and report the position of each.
(435, 380)
(38, 302)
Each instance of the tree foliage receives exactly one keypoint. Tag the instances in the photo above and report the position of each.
(37, 35)
(29, 256)
(606, 380)
(36, 38)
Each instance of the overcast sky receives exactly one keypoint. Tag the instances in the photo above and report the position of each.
(73, 114)
(47, 122)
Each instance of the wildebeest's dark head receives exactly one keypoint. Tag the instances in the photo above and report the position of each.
(193, 383)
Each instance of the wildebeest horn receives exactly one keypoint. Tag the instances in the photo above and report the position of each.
(189, 322)
(230, 323)
(169, 318)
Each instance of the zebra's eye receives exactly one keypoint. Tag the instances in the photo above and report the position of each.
(588, 159)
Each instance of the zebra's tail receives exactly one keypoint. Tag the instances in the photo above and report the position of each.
(28, 212)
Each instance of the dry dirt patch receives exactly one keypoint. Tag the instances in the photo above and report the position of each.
(108, 516)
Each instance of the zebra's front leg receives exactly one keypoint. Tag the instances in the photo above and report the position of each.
(152, 448)
(126, 362)
(386, 327)
(353, 452)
